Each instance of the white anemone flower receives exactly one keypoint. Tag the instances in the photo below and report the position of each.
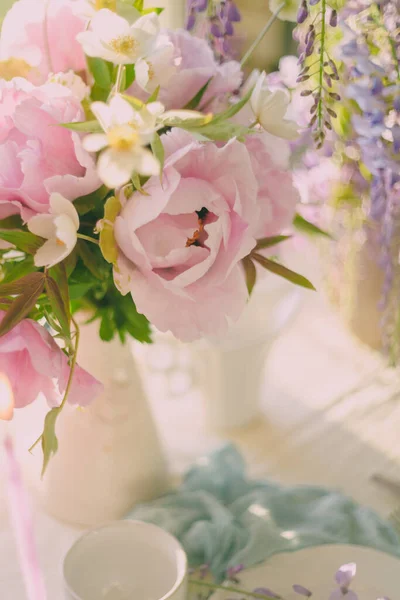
(270, 108)
(73, 82)
(113, 38)
(59, 227)
(157, 68)
(126, 133)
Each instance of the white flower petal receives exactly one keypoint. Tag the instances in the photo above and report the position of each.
(66, 231)
(61, 206)
(115, 168)
(148, 23)
(107, 25)
(50, 254)
(142, 70)
(121, 111)
(103, 114)
(95, 142)
(146, 163)
(42, 225)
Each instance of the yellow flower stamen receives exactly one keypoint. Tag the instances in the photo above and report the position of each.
(151, 73)
(14, 67)
(123, 44)
(110, 4)
(59, 242)
(122, 138)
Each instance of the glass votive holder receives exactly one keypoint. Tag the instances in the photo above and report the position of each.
(126, 560)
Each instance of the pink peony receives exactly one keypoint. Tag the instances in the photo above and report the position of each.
(194, 66)
(34, 363)
(277, 196)
(44, 35)
(181, 246)
(37, 156)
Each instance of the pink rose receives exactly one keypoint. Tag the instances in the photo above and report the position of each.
(34, 363)
(44, 35)
(194, 65)
(181, 246)
(277, 196)
(37, 156)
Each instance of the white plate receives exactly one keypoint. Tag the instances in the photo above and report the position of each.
(378, 574)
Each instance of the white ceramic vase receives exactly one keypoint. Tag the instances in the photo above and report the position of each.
(230, 371)
(109, 456)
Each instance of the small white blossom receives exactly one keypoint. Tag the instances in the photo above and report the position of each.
(113, 38)
(157, 68)
(59, 228)
(126, 133)
(73, 82)
(288, 12)
(270, 109)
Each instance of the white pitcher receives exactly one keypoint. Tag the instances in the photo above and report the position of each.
(109, 456)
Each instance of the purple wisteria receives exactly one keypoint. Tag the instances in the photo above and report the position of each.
(214, 20)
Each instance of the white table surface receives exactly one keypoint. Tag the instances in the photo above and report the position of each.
(332, 418)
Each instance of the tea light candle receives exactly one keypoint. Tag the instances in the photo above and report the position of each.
(124, 560)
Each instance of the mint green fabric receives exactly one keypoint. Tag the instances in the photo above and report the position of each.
(223, 519)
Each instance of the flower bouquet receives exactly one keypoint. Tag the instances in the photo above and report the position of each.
(142, 181)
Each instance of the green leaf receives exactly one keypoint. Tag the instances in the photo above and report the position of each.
(250, 272)
(154, 95)
(83, 126)
(49, 438)
(85, 204)
(107, 325)
(79, 290)
(135, 102)
(158, 150)
(60, 275)
(12, 270)
(58, 306)
(138, 4)
(108, 245)
(130, 76)
(282, 271)
(234, 109)
(219, 130)
(136, 324)
(301, 224)
(22, 305)
(268, 242)
(101, 72)
(13, 222)
(195, 101)
(98, 94)
(157, 9)
(90, 259)
(137, 183)
(15, 288)
(23, 240)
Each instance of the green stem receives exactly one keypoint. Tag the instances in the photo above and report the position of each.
(70, 378)
(231, 589)
(81, 236)
(118, 81)
(262, 33)
(321, 63)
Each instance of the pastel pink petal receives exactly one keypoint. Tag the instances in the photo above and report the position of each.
(191, 195)
(207, 313)
(140, 211)
(85, 388)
